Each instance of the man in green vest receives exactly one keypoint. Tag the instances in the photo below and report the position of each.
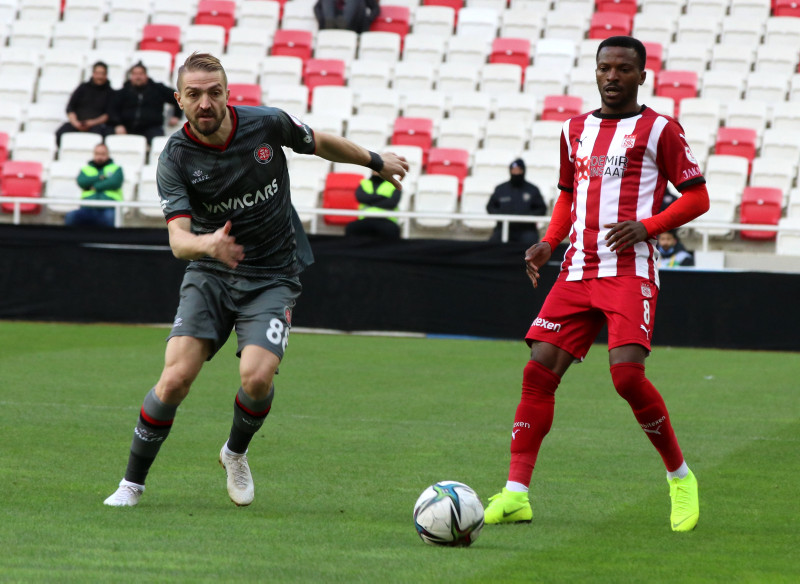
(101, 180)
(376, 194)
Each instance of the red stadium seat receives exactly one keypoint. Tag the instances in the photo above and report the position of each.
(561, 107)
(760, 206)
(628, 7)
(340, 193)
(3, 147)
(655, 57)
(452, 161)
(21, 179)
(514, 51)
(414, 132)
(737, 142)
(392, 19)
(244, 94)
(677, 85)
(785, 8)
(456, 5)
(218, 12)
(608, 24)
(323, 72)
(161, 37)
(292, 43)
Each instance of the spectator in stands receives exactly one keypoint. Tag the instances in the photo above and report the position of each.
(87, 108)
(355, 15)
(376, 194)
(101, 180)
(138, 108)
(672, 252)
(517, 197)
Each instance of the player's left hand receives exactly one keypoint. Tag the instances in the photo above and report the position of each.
(393, 166)
(623, 235)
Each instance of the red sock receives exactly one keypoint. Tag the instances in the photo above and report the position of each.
(533, 419)
(650, 410)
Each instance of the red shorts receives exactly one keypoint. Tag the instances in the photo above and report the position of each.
(574, 312)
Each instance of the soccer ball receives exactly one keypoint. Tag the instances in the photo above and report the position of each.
(448, 513)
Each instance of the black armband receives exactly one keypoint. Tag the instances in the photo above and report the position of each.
(375, 161)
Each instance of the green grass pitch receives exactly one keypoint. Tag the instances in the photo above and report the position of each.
(360, 426)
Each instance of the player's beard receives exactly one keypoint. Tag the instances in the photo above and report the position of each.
(207, 127)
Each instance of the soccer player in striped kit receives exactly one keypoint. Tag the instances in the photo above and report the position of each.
(615, 165)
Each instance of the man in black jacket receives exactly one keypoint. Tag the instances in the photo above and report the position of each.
(138, 108)
(87, 108)
(517, 197)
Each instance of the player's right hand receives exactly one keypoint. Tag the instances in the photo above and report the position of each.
(536, 256)
(225, 248)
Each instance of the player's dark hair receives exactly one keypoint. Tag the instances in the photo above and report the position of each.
(625, 42)
(201, 62)
(100, 64)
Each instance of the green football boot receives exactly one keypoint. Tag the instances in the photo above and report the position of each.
(685, 503)
(508, 507)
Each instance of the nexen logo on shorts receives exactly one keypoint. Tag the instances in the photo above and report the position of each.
(546, 324)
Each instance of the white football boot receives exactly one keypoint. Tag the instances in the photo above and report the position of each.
(127, 495)
(240, 481)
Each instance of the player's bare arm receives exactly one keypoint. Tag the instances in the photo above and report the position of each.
(623, 235)
(338, 149)
(189, 246)
(536, 256)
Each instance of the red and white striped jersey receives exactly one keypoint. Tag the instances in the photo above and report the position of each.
(617, 169)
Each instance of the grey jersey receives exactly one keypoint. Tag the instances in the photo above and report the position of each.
(245, 181)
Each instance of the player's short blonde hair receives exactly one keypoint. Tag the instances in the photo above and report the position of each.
(201, 62)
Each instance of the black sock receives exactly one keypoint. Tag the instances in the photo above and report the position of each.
(155, 422)
(248, 417)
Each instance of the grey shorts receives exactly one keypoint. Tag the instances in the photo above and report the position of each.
(213, 304)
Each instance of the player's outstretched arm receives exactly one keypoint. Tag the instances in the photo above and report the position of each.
(337, 149)
(219, 244)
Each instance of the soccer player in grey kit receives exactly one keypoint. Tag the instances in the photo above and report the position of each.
(224, 187)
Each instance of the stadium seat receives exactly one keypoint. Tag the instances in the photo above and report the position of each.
(518, 107)
(161, 37)
(654, 27)
(747, 113)
(240, 68)
(778, 143)
(62, 184)
(766, 86)
(40, 10)
(728, 174)
(371, 132)
(323, 72)
(244, 94)
(463, 132)
(340, 193)
(607, 24)
(292, 43)
(132, 16)
(45, 117)
(736, 58)
(775, 58)
(3, 147)
(299, 16)
(789, 8)
(742, 30)
(333, 100)
(556, 53)
(292, 98)
(84, 11)
(392, 18)
(707, 9)
(31, 34)
(35, 146)
(541, 81)
(505, 134)
(478, 22)
(258, 14)
(474, 196)
(414, 132)
(381, 102)
(511, 50)
(521, 23)
(116, 36)
(693, 28)
(379, 46)
(760, 206)
(367, 74)
(628, 7)
(736, 142)
(701, 114)
(336, 44)
(773, 172)
(677, 85)
(561, 107)
(206, 38)
(250, 41)
(128, 150)
(413, 76)
(425, 104)
(435, 20)
(501, 78)
(566, 23)
(281, 70)
(492, 163)
(788, 242)
(424, 48)
(457, 77)
(452, 161)
(467, 49)
(655, 56)
(784, 32)
(217, 12)
(78, 37)
(436, 193)
(176, 12)
(21, 178)
(687, 56)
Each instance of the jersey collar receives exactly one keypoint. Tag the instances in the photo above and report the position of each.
(187, 129)
(596, 113)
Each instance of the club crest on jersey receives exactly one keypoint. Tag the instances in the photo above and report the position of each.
(287, 315)
(629, 141)
(646, 291)
(263, 153)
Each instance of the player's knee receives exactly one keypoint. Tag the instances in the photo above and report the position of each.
(174, 384)
(628, 379)
(257, 381)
